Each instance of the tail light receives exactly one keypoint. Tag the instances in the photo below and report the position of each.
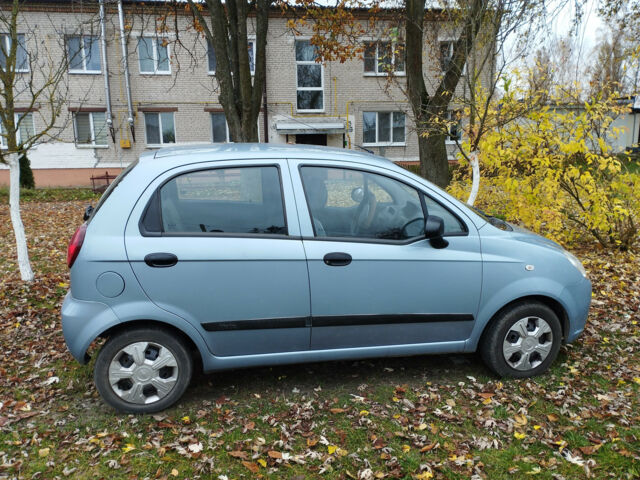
(75, 244)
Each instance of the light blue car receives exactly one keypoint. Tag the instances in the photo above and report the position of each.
(251, 254)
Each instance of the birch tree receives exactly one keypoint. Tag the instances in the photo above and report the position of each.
(32, 84)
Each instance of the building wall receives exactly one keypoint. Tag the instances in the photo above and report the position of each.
(192, 91)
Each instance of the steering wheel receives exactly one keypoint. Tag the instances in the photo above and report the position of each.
(364, 214)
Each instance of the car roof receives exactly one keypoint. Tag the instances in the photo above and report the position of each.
(231, 151)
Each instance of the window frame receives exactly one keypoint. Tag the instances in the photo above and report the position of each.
(421, 193)
(154, 49)
(450, 44)
(6, 38)
(377, 72)
(93, 143)
(251, 40)
(226, 126)
(83, 56)
(161, 144)
(221, 112)
(308, 89)
(449, 140)
(390, 143)
(155, 202)
(16, 116)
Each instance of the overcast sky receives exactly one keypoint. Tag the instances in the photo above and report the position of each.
(589, 30)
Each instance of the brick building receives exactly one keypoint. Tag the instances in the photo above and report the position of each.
(173, 90)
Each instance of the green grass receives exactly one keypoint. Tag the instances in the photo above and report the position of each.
(52, 195)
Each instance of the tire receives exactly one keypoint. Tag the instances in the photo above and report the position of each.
(143, 370)
(516, 340)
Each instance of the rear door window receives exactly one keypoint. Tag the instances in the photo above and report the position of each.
(245, 200)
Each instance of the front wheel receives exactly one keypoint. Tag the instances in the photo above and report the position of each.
(522, 341)
(143, 370)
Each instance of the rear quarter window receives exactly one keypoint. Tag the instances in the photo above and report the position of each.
(107, 193)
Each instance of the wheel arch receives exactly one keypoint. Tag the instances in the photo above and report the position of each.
(118, 327)
(550, 302)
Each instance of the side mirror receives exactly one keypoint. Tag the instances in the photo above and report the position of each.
(434, 230)
(87, 212)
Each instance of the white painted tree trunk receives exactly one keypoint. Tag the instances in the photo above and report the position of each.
(16, 219)
(475, 184)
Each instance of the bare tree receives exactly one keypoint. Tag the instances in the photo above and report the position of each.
(32, 81)
(241, 90)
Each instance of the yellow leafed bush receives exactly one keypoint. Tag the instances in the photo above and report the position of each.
(554, 172)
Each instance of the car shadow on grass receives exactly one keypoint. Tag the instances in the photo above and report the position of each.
(335, 377)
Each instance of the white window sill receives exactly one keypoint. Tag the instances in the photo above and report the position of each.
(389, 144)
(209, 72)
(86, 146)
(309, 111)
(155, 146)
(155, 73)
(451, 142)
(391, 74)
(85, 72)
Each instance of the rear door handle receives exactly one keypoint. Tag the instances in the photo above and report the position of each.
(337, 259)
(161, 260)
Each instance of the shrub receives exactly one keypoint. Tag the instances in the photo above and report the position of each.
(554, 172)
(26, 174)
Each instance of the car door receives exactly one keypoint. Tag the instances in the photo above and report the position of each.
(375, 280)
(219, 245)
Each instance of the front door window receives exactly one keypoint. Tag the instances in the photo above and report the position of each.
(364, 205)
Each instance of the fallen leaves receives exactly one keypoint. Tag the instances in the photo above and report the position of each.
(418, 418)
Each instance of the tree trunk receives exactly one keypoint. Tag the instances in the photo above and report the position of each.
(475, 170)
(434, 164)
(16, 219)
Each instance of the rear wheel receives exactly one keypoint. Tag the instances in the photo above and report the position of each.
(143, 370)
(522, 341)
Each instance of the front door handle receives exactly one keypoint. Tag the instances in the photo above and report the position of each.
(161, 260)
(337, 259)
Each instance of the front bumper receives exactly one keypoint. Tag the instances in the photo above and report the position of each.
(82, 321)
(578, 298)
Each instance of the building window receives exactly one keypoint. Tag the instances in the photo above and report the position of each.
(153, 53)
(22, 58)
(160, 128)
(219, 128)
(83, 54)
(382, 58)
(453, 127)
(26, 129)
(309, 78)
(211, 56)
(90, 129)
(446, 55)
(383, 128)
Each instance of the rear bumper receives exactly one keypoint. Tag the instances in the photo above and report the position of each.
(578, 298)
(79, 321)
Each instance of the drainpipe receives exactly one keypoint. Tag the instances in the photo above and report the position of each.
(105, 65)
(125, 63)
